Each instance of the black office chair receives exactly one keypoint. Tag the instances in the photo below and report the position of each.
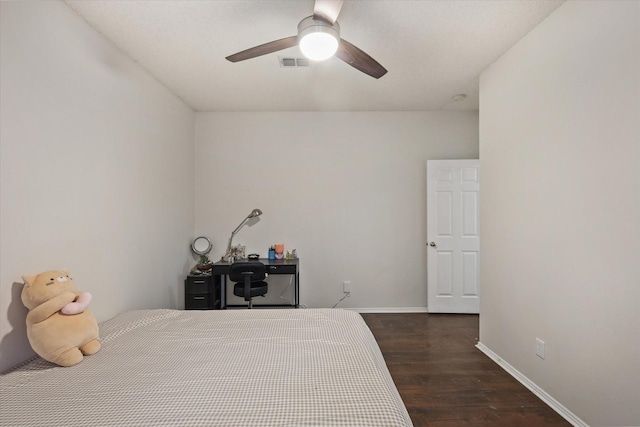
(249, 277)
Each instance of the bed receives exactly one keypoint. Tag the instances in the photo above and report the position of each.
(307, 367)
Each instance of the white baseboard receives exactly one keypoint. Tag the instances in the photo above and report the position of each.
(543, 395)
(388, 309)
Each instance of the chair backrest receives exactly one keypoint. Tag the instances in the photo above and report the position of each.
(239, 270)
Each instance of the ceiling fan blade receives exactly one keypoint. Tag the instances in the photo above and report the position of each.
(327, 10)
(263, 49)
(359, 60)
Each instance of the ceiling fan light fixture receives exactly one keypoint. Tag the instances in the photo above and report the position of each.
(318, 39)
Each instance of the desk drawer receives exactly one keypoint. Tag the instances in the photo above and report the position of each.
(198, 302)
(281, 269)
(198, 285)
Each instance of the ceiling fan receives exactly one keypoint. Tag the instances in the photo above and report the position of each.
(319, 39)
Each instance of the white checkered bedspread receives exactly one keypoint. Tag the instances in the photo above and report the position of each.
(313, 367)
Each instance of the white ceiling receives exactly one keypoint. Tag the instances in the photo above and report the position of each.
(432, 50)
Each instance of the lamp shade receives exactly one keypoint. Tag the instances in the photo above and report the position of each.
(318, 40)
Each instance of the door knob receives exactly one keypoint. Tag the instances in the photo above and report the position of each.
(432, 244)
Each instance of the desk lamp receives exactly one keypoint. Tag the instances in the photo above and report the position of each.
(254, 213)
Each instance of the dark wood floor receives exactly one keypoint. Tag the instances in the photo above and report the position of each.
(445, 380)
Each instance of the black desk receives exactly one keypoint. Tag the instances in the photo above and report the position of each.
(220, 270)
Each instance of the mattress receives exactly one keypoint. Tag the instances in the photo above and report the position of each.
(307, 367)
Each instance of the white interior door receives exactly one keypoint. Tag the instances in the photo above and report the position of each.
(453, 236)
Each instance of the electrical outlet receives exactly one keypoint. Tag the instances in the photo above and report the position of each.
(539, 348)
(346, 286)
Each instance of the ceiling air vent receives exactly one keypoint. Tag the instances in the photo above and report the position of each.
(294, 62)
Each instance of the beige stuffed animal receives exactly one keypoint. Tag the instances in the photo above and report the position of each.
(59, 327)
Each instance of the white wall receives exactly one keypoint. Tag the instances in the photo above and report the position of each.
(560, 209)
(96, 170)
(347, 190)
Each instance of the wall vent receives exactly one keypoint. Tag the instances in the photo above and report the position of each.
(294, 62)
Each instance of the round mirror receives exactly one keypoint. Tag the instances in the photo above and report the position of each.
(201, 245)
